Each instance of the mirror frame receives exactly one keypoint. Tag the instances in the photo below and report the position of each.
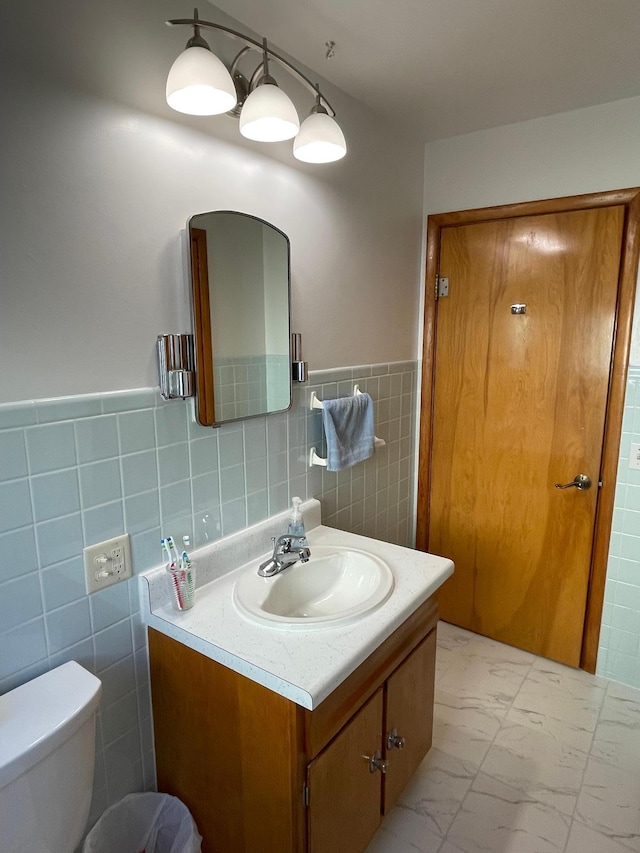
(201, 316)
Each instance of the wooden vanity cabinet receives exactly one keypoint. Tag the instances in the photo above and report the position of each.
(343, 796)
(261, 774)
(409, 711)
(346, 801)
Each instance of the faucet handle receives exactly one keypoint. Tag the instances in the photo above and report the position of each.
(270, 566)
(284, 543)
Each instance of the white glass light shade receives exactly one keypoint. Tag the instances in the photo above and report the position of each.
(199, 84)
(268, 115)
(320, 140)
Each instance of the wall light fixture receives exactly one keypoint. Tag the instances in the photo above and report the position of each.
(200, 84)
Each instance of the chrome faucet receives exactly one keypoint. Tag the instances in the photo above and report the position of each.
(287, 550)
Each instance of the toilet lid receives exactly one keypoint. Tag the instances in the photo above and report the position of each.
(37, 717)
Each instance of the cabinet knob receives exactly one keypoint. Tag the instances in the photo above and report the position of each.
(376, 762)
(394, 739)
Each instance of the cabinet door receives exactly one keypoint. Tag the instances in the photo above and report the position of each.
(344, 796)
(410, 712)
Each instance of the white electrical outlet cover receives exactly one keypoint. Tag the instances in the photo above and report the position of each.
(107, 563)
(634, 456)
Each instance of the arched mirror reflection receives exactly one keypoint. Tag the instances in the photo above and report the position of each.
(240, 295)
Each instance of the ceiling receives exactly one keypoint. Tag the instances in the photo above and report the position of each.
(439, 68)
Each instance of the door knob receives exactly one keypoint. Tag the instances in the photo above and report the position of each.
(376, 762)
(581, 481)
(394, 739)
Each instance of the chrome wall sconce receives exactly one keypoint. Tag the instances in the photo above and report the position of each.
(200, 84)
(176, 366)
(298, 366)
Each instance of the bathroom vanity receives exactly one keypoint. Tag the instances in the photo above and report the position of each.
(284, 741)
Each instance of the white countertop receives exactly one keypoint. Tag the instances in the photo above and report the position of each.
(304, 666)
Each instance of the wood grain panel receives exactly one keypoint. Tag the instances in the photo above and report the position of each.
(520, 404)
(202, 326)
(613, 432)
(587, 201)
(230, 749)
(428, 377)
(344, 797)
(409, 710)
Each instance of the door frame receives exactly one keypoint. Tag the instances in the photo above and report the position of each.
(630, 251)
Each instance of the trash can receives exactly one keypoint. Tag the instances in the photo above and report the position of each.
(145, 823)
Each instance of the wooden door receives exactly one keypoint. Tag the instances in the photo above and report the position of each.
(519, 405)
(344, 796)
(409, 716)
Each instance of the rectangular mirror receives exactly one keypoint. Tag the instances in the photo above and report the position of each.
(240, 285)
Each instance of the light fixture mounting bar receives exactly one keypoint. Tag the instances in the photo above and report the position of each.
(259, 46)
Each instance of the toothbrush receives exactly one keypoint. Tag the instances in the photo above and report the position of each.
(186, 542)
(172, 546)
(165, 545)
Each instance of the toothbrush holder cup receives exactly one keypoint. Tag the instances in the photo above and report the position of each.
(182, 584)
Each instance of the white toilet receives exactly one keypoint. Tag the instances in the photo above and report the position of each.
(47, 757)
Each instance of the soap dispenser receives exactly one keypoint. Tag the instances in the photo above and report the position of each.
(296, 522)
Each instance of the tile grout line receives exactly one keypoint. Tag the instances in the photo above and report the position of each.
(584, 770)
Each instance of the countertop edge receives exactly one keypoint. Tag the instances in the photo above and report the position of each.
(232, 661)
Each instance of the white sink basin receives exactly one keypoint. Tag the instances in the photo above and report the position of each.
(336, 586)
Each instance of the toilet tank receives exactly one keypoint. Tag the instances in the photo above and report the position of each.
(47, 757)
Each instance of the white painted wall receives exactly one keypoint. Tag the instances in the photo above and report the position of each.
(99, 178)
(577, 152)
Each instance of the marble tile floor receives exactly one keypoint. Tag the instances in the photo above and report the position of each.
(528, 756)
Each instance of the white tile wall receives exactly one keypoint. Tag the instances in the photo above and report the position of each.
(76, 471)
(619, 652)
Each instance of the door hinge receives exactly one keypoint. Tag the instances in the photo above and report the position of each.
(442, 286)
(305, 795)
